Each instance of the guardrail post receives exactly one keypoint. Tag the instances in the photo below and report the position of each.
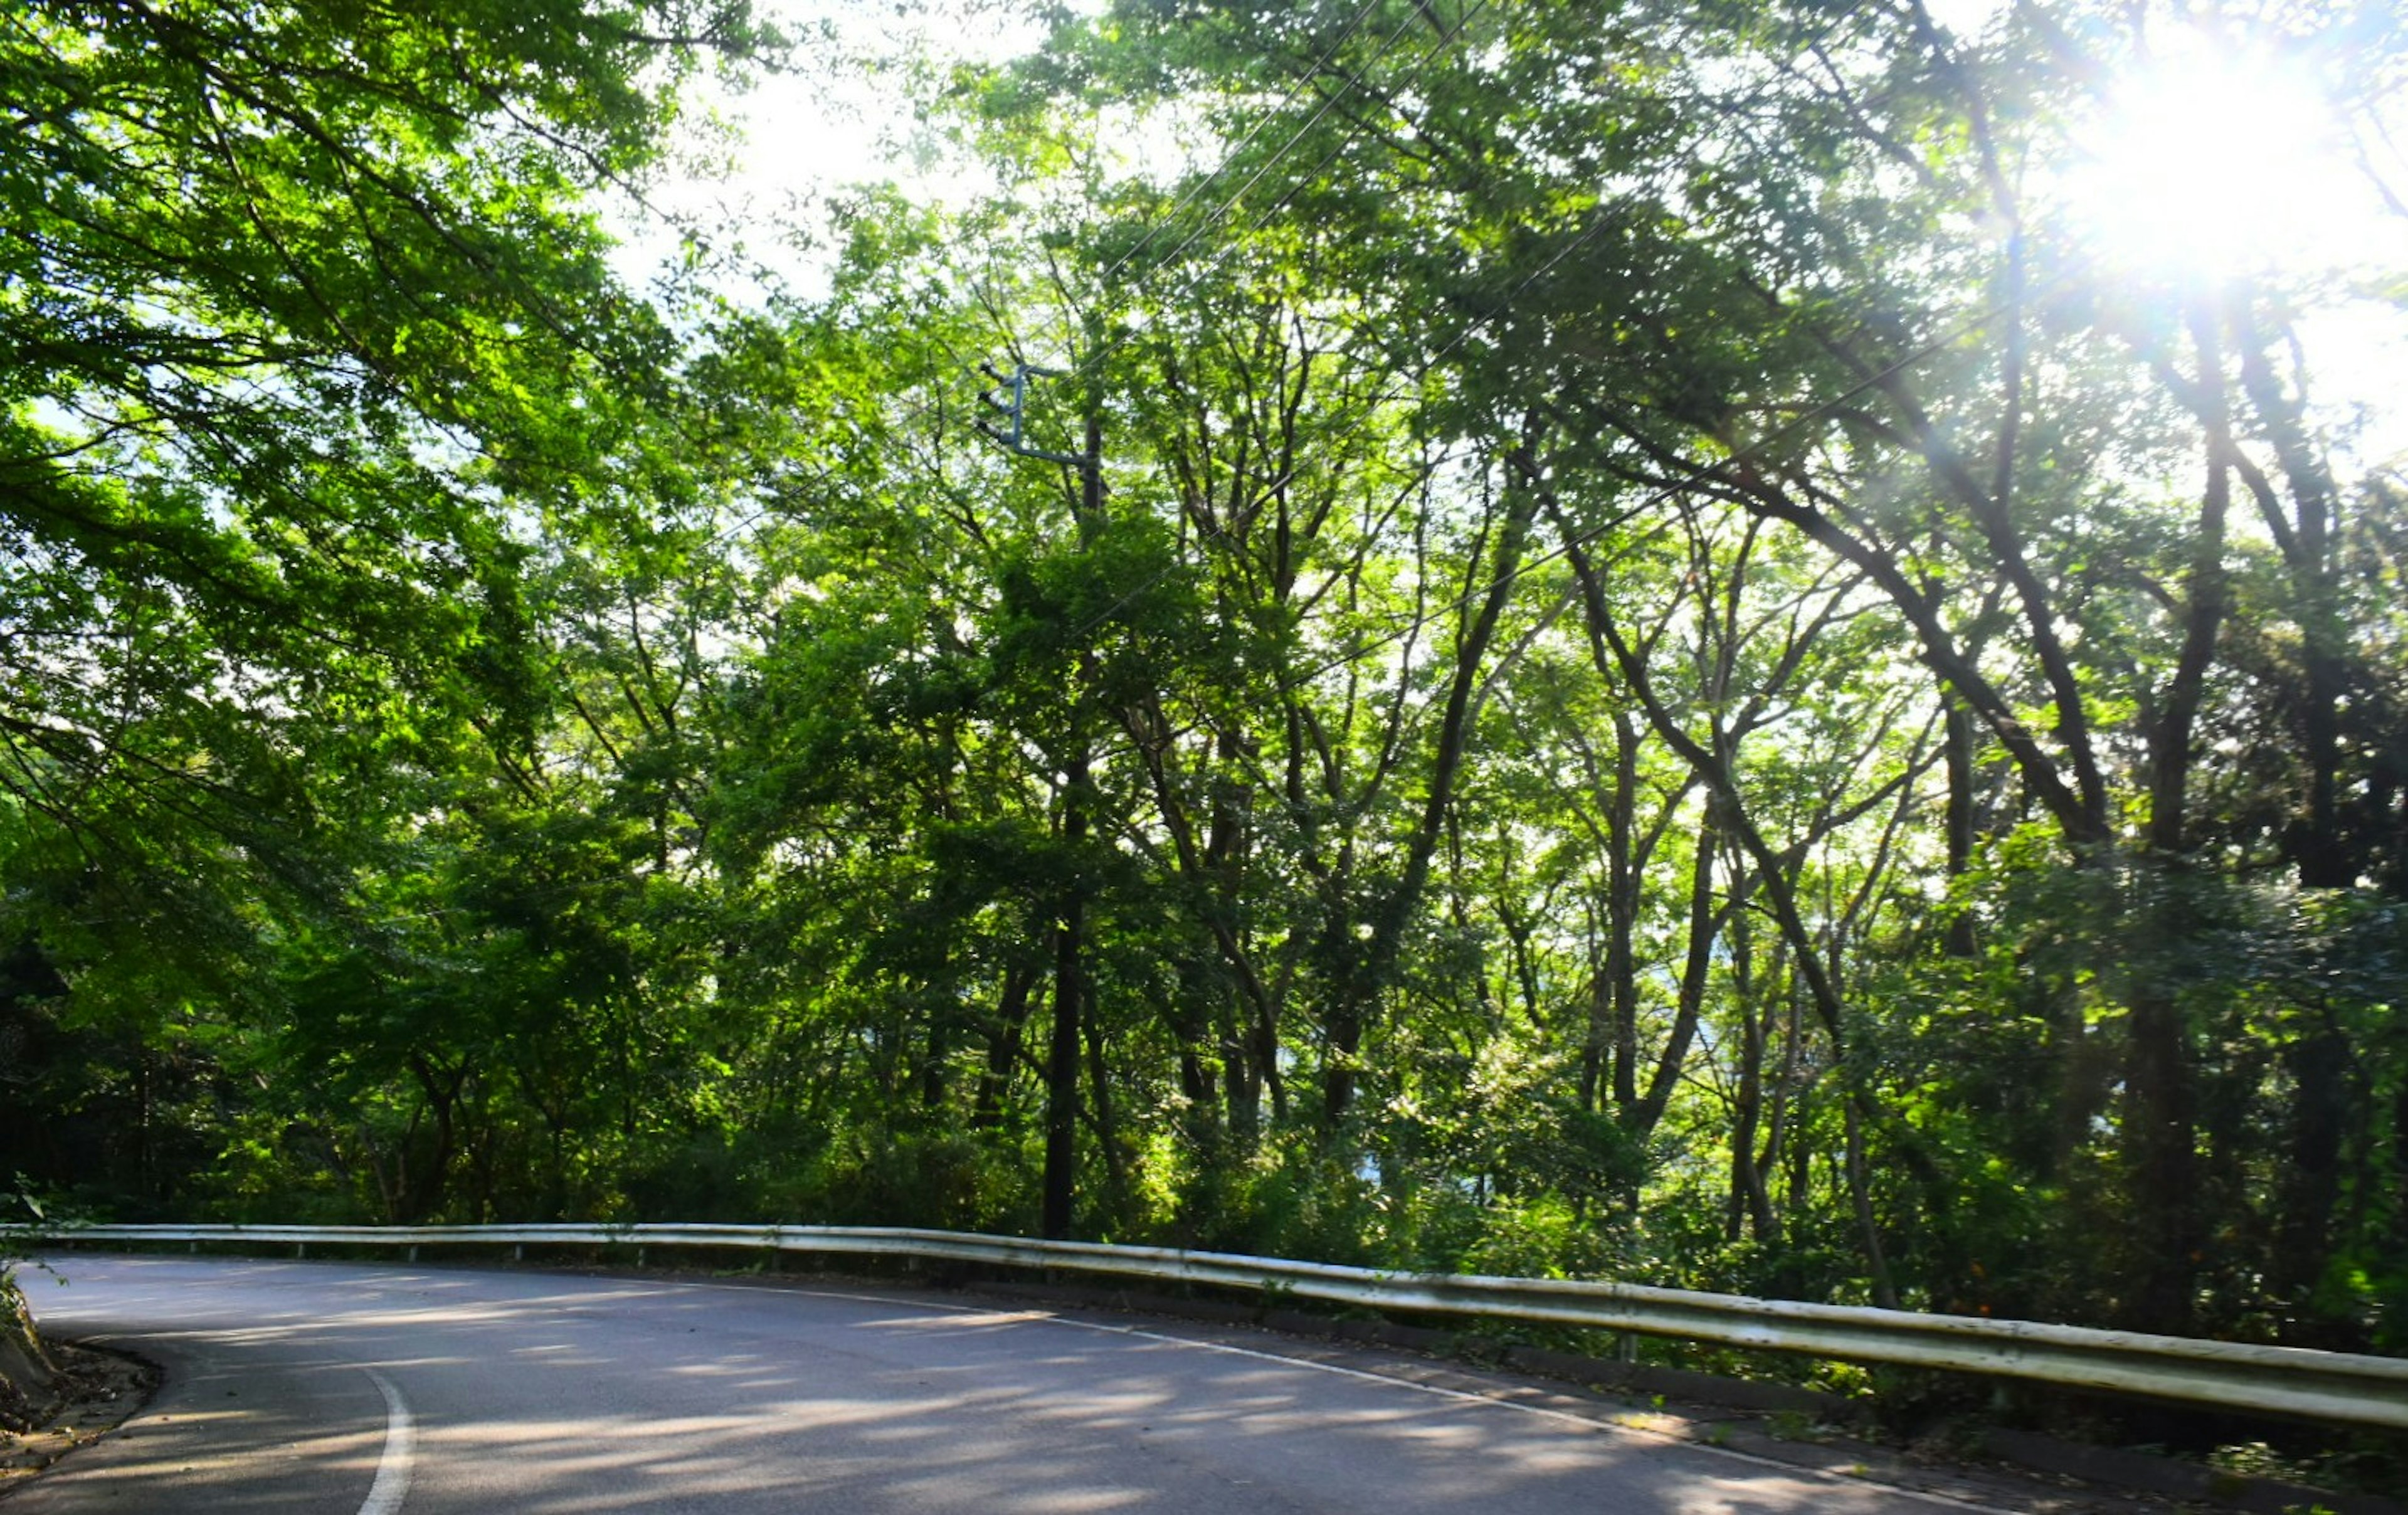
(413, 1251)
(300, 1249)
(518, 1251)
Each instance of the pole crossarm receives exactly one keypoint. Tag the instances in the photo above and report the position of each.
(2354, 1388)
(1015, 410)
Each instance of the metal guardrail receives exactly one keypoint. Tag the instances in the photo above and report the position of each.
(2291, 1380)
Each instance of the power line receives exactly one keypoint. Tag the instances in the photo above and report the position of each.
(1503, 306)
(1085, 365)
(1230, 158)
(1328, 104)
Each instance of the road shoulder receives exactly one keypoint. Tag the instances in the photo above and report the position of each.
(98, 1390)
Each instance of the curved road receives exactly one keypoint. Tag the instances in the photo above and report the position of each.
(338, 1388)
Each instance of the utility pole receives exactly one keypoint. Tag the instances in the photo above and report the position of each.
(1070, 923)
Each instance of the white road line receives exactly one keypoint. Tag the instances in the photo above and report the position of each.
(391, 1485)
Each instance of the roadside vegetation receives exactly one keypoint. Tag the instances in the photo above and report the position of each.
(1684, 661)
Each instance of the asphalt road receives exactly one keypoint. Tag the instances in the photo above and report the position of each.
(327, 1387)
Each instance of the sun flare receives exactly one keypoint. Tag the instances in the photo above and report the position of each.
(2214, 158)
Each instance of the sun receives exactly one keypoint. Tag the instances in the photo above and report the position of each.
(2213, 158)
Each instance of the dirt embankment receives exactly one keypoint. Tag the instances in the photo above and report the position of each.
(55, 1397)
(28, 1375)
